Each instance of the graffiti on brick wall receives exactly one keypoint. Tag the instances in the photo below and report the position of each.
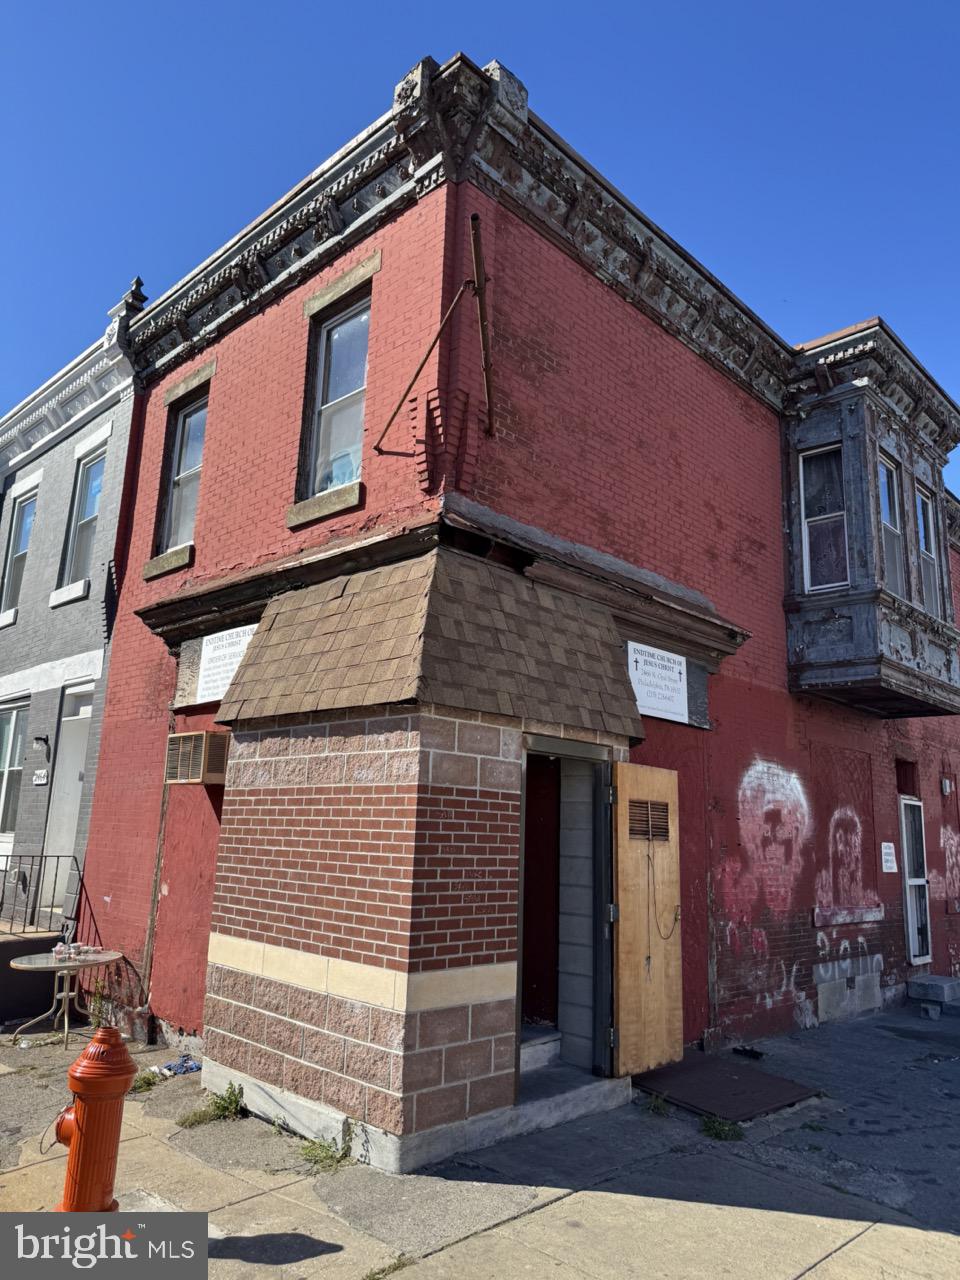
(844, 958)
(945, 885)
(758, 887)
(840, 882)
(774, 822)
(950, 841)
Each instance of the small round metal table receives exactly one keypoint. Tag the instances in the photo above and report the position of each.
(65, 986)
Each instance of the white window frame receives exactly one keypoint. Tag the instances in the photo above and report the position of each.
(21, 500)
(911, 882)
(6, 837)
(805, 523)
(931, 554)
(83, 464)
(176, 477)
(884, 462)
(319, 404)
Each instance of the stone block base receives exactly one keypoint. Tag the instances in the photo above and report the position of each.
(405, 1153)
(932, 987)
(840, 999)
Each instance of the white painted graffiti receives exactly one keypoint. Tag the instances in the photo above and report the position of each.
(774, 821)
(950, 841)
(845, 959)
(840, 882)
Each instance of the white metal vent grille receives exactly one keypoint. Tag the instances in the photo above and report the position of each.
(649, 820)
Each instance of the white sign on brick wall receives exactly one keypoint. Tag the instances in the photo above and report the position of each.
(220, 656)
(659, 680)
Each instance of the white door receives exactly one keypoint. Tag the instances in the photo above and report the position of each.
(917, 913)
(65, 793)
(13, 725)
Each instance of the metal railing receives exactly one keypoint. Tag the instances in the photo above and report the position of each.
(33, 888)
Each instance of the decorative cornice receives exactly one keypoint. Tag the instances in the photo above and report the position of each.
(77, 392)
(872, 355)
(454, 123)
(478, 123)
(459, 122)
(340, 204)
(951, 511)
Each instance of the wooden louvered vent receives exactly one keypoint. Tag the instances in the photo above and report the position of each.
(649, 820)
(197, 757)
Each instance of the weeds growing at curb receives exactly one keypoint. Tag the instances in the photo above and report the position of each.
(219, 1106)
(657, 1105)
(324, 1155)
(721, 1130)
(398, 1264)
(144, 1080)
(98, 1005)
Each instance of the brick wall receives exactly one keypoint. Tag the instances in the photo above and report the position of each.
(390, 840)
(381, 842)
(316, 843)
(248, 481)
(403, 1072)
(467, 843)
(612, 433)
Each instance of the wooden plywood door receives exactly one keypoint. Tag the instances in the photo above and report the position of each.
(647, 984)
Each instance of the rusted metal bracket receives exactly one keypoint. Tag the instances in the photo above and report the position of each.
(476, 286)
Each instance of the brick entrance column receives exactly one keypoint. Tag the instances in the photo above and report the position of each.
(362, 960)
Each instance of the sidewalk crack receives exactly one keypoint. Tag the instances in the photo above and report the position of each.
(833, 1252)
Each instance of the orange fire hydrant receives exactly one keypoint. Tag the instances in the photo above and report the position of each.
(90, 1129)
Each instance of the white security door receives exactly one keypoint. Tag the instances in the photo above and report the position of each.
(917, 914)
(13, 723)
(65, 794)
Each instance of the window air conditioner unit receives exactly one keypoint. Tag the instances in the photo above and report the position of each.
(197, 757)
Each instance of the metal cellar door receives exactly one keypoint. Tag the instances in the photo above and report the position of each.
(647, 994)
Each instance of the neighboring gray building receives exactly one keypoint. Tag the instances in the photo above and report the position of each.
(63, 467)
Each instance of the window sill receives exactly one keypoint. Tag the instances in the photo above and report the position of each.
(168, 561)
(342, 498)
(8, 618)
(72, 591)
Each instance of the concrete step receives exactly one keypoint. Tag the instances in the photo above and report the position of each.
(933, 987)
(559, 1092)
(950, 1008)
(539, 1048)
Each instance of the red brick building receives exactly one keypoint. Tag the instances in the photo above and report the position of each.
(600, 696)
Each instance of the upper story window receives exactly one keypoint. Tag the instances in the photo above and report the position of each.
(186, 459)
(341, 379)
(892, 526)
(927, 538)
(83, 519)
(824, 519)
(21, 526)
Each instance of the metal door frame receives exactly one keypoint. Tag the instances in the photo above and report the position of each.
(600, 758)
(911, 882)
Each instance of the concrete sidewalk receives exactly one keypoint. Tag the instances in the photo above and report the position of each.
(859, 1184)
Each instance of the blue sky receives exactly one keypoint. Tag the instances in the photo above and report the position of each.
(806, 154)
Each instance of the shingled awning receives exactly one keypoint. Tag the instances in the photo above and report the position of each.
(445, 628)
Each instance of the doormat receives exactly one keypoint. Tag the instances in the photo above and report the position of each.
(721, 1086)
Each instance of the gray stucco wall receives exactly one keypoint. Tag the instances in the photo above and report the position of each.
(48, 649)
(575, 1004)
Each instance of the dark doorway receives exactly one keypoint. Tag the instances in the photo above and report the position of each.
(541, 892)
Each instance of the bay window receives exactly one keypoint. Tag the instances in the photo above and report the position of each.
(823, 511)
